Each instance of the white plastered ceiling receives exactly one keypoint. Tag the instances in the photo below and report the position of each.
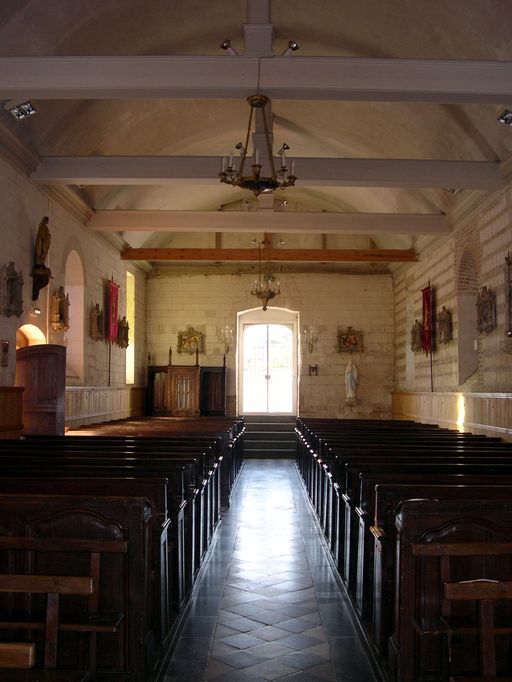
(113, 137)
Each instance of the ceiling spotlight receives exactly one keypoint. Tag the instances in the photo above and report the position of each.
(505, 117)
(292, 47)
(226, 45)
(21, 110)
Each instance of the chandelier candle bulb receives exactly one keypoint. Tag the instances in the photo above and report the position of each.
(292, 169)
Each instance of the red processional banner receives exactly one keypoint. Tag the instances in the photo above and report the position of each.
(113, 304)
(427, 295)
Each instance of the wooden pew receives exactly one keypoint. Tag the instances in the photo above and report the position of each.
(52, 586)
(178, 541)
(158, 461)
(422, 454)
(438, 542)
(377, 585)
(93, 462)
(76, 530)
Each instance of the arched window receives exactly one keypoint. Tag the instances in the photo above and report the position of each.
(74, 286)
(467, 329)
(130, 318)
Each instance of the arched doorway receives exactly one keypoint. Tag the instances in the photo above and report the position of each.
(29, 335)
(267, 361)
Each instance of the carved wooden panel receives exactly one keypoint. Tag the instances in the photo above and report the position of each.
(182, 395)
(41, 370)
(11, 422)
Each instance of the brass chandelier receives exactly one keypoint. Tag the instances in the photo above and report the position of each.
(255, 180)
(265, 286)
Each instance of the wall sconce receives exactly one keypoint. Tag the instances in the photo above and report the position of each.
(310, 337)
(226, 335)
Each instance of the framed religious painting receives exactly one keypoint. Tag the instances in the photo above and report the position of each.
(486, 310)
(350, 340)
(444, 325)
(191, 341)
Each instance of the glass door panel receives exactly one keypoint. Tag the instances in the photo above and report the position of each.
(268, 368)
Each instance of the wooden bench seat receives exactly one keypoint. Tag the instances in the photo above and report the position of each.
(53, 586)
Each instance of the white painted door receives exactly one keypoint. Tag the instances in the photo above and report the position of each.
(268, 369)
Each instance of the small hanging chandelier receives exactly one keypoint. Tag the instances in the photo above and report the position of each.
(266, 286)
(257, 182)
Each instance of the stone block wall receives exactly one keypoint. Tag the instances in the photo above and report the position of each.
(23, 206)
(481, 241)
(328, 301)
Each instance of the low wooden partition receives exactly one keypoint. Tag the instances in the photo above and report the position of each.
(93, 404)
(487, 413)
(11, 422)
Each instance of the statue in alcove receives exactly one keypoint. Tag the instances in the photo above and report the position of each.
(60, 310)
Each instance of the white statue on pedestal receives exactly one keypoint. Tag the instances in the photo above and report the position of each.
(351, 383)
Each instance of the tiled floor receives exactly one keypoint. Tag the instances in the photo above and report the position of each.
(268, 607)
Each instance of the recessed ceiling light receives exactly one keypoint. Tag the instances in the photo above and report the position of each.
(505, 117)
(22, 110)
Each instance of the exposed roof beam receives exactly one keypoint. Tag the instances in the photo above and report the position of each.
(322, 78)
(150, 170)
(269, 221)
(276, 255)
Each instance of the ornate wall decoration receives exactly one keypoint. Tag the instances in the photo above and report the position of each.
(486, 310)
(113, 305)
(417, 336)
(123, 330)
(444, 325)
(97, 323)
(428, 318)
(60, 310)
(191, 341)
(11, 291)
(350, 340)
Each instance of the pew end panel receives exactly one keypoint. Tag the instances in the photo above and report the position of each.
(446, 541)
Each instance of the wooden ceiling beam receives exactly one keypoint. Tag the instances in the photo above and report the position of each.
(275, 255)
(323, 172)
(223, 76)
(269, 221)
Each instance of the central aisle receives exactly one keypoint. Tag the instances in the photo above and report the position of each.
(268, 606)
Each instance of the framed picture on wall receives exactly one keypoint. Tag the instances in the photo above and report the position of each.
(350, 340)
(190, 341)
